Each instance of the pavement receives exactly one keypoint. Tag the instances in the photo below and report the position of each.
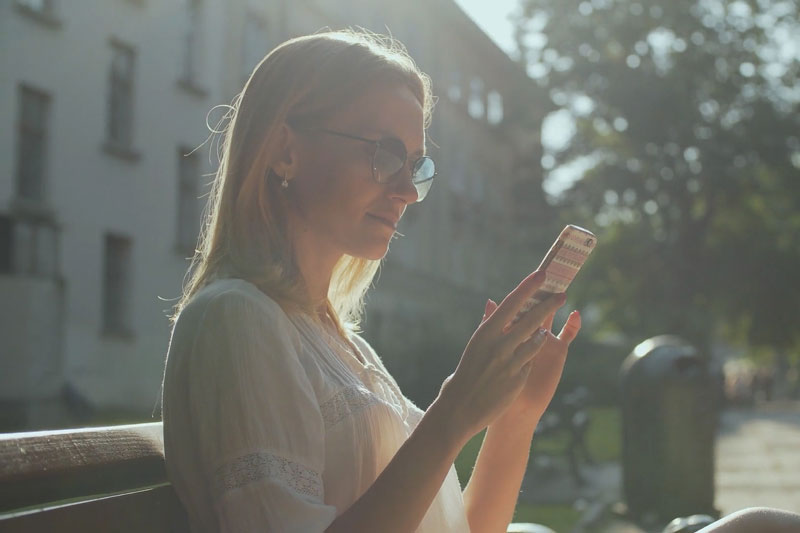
(757, 464)
(758, 458)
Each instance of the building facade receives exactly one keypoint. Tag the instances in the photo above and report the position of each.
(104, 174)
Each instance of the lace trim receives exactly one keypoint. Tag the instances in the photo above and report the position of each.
(347, 402)
(264, 465)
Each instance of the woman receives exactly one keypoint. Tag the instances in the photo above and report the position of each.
(277, 415)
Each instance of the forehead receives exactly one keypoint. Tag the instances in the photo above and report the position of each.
(385, 110)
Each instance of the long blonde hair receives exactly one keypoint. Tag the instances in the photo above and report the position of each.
(244, 231)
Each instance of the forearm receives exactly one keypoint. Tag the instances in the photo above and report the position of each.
(491, 494)
(403, 492)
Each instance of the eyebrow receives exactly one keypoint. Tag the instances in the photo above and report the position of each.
(388, 135)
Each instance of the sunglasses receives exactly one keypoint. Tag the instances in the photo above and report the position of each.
(390, 157)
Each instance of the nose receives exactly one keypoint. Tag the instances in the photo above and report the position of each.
(403, 187)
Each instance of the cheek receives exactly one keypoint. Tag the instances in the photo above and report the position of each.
(337, 189)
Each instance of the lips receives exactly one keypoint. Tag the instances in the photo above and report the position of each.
(387, 219)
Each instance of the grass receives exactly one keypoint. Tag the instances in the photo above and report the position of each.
(559, 518)
(604, 436)
(604, 440)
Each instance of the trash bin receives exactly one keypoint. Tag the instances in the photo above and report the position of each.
(669, 416)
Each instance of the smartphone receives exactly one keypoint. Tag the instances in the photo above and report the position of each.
(561, 264)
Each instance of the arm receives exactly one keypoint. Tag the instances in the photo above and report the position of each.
(403, 492)
(493, 369)
(491, 494)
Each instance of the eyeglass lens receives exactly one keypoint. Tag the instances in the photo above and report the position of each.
(391, 156)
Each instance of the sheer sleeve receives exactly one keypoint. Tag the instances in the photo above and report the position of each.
(259, 430)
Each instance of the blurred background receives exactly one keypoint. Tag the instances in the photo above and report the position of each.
(669, 129)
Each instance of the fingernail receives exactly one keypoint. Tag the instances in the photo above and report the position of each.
(486, 309)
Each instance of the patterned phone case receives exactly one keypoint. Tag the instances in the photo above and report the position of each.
(562, 263)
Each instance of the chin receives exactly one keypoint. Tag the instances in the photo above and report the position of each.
(371, 251)
(375, 253)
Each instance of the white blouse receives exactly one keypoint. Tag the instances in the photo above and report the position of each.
(272, 424)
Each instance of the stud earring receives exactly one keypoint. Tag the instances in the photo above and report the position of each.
(284, 183)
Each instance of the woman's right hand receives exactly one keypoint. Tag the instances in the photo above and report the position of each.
(495, 364)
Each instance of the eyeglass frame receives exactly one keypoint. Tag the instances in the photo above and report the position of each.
(377, 143)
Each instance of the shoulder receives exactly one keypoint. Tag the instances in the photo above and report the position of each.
(231, 291)
(234, 302)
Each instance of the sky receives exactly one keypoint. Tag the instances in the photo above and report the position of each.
(492, 17)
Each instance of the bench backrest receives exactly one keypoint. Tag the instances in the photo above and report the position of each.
(93, 479)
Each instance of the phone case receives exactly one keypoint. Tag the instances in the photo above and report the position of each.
(561, 264)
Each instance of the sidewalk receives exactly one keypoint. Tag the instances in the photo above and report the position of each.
(757, 464)
(758, 458)
(757, 461)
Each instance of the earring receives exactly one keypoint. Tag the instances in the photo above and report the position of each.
(284, 183)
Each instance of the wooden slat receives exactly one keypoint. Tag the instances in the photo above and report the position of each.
(154, 510)
(47, 466)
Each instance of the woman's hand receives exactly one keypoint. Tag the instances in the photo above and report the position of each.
(497, 361)
(546, 366)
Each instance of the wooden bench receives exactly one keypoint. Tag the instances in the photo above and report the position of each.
(95, 479)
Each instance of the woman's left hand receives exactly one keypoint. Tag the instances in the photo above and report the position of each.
(547, 366)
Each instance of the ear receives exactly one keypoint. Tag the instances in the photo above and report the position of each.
(287, 152)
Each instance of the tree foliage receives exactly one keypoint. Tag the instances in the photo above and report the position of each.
(688, 113)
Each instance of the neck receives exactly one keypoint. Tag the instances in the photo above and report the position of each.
(316, 259)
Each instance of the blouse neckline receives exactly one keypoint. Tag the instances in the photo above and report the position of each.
(356, 360)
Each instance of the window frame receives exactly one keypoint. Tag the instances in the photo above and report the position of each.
(121, 107)
(39, 132)
(116, 303)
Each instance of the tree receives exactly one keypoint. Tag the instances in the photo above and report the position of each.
(687, 112)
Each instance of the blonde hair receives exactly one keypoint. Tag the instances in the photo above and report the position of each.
(244, 232)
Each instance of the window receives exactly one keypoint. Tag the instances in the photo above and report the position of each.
(475, 106)
(117, 285)
(34, 107)
(6, 244)
(192, 43)
(39, 6)
(28, 247)
(255, 43)
(120, 97)
(41, 11)
(188, 226)
(494, 108)
(454, 87)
